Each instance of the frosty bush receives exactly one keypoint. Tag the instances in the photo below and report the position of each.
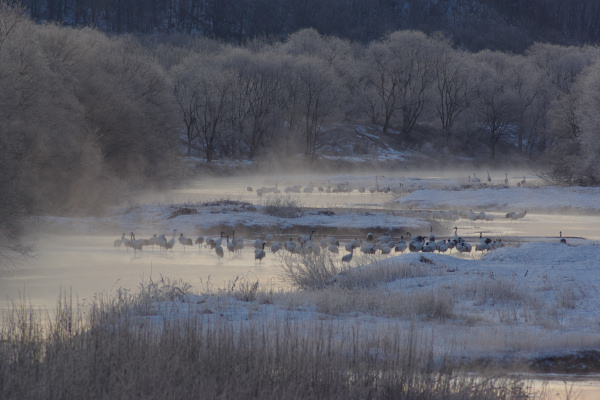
(309, 270)
(282, 206)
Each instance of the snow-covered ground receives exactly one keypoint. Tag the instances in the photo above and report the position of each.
(514, 305)
(529, 300)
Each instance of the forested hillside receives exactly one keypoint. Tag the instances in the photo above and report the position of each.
(472, 24)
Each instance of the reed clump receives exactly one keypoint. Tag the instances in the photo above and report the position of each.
(283, 206)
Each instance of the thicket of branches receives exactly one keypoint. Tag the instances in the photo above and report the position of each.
(472, 24)
(84, 119)
(289, 98)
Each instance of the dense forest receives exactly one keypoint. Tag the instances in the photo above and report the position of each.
(87, 118)
(505, 25)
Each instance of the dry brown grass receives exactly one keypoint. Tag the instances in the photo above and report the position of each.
(283, 206)
(106, 349)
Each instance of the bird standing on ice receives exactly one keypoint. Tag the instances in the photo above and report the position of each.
(562, 239)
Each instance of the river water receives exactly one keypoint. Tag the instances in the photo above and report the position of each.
(88, 266)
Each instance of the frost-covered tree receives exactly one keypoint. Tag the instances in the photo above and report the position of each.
(400, 69)
(531, 101)
(212, 87)
(573, 156)
(314, 93)
(257, 96)
(186, 99)
(496, 103)
(15, 198)
(456, 86)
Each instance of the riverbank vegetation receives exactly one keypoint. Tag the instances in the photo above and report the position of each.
(118, 346)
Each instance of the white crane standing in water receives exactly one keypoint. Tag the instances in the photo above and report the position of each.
(185, 241)
(136, 244)
(171, 242)
(259, 254)
(219, 251)
(230, 246)
(119, 242)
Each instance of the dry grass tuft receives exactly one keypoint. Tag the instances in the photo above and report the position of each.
(309, 271)
(282, 206)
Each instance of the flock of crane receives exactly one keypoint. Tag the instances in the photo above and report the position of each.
(384, 244)
(339, 188)
(304, 244)
(347, 188)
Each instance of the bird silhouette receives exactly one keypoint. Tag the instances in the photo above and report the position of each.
(119, 242)
(259, 254)
(219, 251)
(348, 257)
(185, 241)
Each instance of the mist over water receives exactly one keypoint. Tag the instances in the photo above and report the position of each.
(88, 265)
